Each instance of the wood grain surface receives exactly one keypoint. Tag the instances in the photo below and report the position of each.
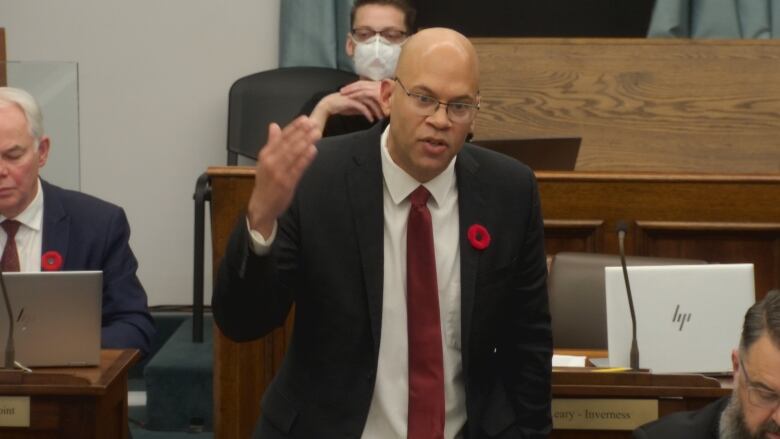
(638, 104)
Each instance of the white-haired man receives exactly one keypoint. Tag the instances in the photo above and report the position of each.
(45, 227)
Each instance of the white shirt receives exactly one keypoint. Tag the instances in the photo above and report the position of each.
(29, 237)
(387, 416)
(388, 413)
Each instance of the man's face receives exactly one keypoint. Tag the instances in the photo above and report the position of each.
(20, 159)
(757, 382)
(377, 18)
(423, 146)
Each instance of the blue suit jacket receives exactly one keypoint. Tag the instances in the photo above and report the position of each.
(327, 258)
(91, 234)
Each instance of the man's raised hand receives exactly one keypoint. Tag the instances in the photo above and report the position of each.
(280, 166)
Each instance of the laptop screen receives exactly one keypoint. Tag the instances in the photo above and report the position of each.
(688, 317)
(576, 286)
(539, 154)
(57, 317)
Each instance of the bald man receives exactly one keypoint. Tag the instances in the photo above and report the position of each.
(415, 262)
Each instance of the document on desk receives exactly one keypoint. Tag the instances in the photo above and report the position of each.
(569, 360)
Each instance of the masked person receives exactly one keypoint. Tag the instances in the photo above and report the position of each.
(378, 29)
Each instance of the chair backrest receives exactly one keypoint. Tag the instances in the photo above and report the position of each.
(273, 96)
(578, 298)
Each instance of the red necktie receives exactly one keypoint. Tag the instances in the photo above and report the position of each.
(10, 260)
(426, 370)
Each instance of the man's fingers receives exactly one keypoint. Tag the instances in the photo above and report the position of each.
(274, 132)
(284, 149)
(363, 109)
(351, 88)
(302, 163)
(361, 87)
(296, 130)
(375, 108)
(292, 139)
(280, 166)
(368, 95)
(362, 93)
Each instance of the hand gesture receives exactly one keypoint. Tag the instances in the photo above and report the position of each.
(357, 98)
(366, 92)
(280, 166)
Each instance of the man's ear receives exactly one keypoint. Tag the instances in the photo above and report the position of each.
(349, 46)
(43, 151)
(386, 88)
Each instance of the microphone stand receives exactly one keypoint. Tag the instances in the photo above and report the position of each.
(10, 352)
(634, 356)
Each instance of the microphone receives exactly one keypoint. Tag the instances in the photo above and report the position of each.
(622, 227)
(10, 352)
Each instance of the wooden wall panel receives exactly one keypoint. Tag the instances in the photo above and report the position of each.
(665, 105)
(573, 236)
(758, 243)
(724, 218)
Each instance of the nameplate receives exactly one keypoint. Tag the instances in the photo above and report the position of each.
(14, 411)
(602, 414)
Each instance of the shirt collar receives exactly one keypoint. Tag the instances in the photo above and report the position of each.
(32, 215)
(400, 184)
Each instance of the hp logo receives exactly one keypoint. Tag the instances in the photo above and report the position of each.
(681, 317)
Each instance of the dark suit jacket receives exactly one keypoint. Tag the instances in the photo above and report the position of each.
(328, 259)
(700, 424)
(91, 234)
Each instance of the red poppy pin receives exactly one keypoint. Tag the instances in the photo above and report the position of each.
(51, 261)
(479, 236)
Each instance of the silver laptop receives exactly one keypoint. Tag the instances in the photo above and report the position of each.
(578, 298)
(689, 317)
(57, 317)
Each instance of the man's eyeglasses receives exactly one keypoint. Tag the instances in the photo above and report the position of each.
(457, 112)
(364, 34)
(758, 396)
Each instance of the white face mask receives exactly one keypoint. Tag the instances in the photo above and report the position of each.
(376, 58)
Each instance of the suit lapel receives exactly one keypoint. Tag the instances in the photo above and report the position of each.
(364, 185)
(56, 227)
(471, 209)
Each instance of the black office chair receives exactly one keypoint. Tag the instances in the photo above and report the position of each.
(273, 96)
(255, 101)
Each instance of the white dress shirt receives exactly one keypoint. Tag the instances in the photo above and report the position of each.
(29, 237)
(387, 416)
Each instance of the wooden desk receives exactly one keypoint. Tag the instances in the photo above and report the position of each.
(670, 393)
(84, 402)
(676, 216)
